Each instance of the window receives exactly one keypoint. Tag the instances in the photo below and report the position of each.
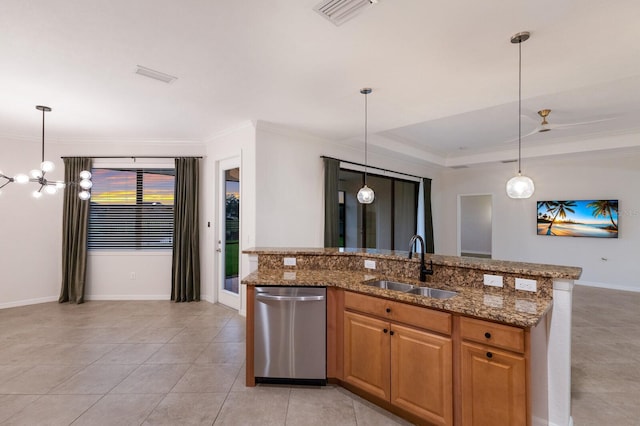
(387, 223)
(131, 209)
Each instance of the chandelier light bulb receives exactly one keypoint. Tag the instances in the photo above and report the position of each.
(60, 185)
(36, 194)
(84, 195)
(85, 174)
(50, 189)
(21, 178)
(47, 166)
(86, 184)
(36, 174)
(366, 195)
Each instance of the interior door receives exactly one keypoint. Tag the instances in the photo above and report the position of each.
(475, 225)
(228, 249)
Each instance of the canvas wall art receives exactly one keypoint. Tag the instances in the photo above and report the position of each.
(578, 218)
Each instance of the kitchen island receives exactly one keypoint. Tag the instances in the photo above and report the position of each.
(529, 331)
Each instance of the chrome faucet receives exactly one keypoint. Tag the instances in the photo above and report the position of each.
(423, 269)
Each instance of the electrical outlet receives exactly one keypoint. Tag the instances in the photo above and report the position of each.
(370, 264)
(526, 285)
(132, 276)
(289, 261)
(493, 280)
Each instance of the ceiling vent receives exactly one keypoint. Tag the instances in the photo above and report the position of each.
(460, 167)
(156, 75)
(509, 161)
(340, 11)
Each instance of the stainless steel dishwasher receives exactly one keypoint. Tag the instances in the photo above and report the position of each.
(290, 343)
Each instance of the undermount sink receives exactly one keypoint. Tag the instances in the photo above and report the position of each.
(391, 285)
(432, 292)
(412, 289)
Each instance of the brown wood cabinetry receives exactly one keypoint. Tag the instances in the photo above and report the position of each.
(493, 374)
(406, 364)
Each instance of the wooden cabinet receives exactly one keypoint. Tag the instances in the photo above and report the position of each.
(367, 354)
(407, 366)
(493, 380)
(421, 381)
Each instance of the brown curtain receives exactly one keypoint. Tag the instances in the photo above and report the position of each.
(75, 221)
(428, 217)
(185, 271)
(331, 212)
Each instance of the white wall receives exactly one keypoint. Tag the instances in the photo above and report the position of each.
(30, 231)
(587, 176)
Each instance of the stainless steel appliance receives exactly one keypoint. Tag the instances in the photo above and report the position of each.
(290, 343)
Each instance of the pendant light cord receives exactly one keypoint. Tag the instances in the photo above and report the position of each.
(43, 135)
(366, 114)
(519, 104)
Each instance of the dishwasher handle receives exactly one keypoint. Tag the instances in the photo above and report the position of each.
(267, 296)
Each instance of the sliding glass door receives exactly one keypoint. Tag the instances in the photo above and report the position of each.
(388, 223)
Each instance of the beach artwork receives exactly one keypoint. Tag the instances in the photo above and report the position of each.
(578, 218)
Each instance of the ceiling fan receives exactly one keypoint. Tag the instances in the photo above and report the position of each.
(545, 126)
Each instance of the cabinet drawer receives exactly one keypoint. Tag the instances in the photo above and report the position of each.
(498, 335)
(367, 304)
(424, 318)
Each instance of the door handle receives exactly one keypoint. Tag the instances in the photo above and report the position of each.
(263, 296)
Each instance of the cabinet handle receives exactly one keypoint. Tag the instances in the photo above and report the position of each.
(385, 330)
(487, 335)
(391, 333)
(388, 310)
(489, 355)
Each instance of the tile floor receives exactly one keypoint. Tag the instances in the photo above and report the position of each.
(605, 357)
(149, 363)
(157, 362)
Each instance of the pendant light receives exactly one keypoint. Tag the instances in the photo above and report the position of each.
(520, 186)
(365, 195)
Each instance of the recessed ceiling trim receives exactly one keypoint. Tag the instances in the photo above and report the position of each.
(156, 75)
(340, 11)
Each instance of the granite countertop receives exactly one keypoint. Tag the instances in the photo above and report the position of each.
(518, 309)
(502, 266)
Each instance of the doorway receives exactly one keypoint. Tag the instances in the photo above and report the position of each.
(475, 225)
(229, 233)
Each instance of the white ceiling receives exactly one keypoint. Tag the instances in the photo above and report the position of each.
(444, 74)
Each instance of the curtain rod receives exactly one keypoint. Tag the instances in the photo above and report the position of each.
(373, 167)
(133, 157)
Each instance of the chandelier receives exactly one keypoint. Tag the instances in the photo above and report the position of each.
(38, 176)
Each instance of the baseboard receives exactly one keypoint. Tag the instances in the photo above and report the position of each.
(568, 424)
(609, 286)
(26, 302)
(127, 297)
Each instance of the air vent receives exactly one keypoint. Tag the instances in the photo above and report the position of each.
(340, 11)
(508, 161)
(460, 167)
(156, 75)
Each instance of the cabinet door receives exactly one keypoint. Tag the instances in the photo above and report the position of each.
(421, 374)
(366, 354)
(493, 387)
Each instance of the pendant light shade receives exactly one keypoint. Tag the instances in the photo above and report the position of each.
(520, 186)
(366, 194)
